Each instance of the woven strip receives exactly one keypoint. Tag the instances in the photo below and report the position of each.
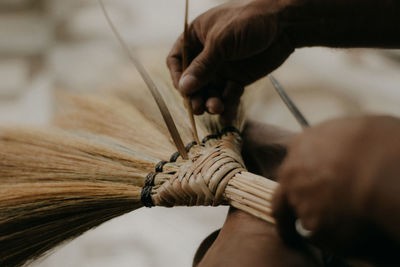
(203, 179)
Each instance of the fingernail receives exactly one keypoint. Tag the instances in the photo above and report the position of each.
(188, 84)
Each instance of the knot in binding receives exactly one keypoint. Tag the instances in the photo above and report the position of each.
(202, 180)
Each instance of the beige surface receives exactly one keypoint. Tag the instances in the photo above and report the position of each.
(74, 50)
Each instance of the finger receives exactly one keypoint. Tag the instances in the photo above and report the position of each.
(199, 73)
(214, 103)
(231, 99)
(292, 166)
(174, 61)
(197, 101)
(285, 218)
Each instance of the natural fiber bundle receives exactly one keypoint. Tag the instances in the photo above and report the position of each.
(55, 186)
(110, 159)
(112, 117)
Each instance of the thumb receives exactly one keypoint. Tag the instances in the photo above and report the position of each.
(285, 218)
(199, 73)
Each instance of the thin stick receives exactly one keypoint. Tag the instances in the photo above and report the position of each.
(289, 103)
(152, 87)
(185, 64)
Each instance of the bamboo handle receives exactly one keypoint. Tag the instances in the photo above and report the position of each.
(253, 194)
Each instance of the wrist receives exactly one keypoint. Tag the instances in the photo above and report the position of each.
(333, 23)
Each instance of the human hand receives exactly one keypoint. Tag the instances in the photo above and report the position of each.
(245, 240)
(264, 147)
(230, 46)
(340, 179)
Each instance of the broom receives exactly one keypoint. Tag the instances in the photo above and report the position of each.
(109, 156)
(58, 183)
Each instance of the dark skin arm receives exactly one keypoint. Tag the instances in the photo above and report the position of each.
(245, 240)
(237, 43)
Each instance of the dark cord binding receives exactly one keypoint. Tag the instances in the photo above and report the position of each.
(160, 165)
(150, 179)
(145, 197)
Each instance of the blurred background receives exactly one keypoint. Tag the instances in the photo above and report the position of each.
(52, 45)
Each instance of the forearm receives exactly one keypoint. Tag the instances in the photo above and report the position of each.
(248, 241)
(342, 23)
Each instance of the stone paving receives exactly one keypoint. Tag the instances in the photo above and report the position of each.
(48, 45)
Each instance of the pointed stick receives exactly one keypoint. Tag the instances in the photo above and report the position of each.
(185, 64)
(152, 87)
(289, 103)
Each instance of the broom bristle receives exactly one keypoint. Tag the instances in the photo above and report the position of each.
(36, 154)
(112, 117)
(55, 186)
(35, 217)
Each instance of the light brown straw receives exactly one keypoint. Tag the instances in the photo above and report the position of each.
(151, 85)
(216, 176)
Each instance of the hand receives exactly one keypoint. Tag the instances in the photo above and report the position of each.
(235, 44)
(341, 179)
(264, 147)
(231, 46)
(245, 240)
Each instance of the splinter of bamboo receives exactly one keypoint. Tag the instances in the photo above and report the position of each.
(150, 84)
(185, 64)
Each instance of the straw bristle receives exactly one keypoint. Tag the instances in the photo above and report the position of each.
(38, 216)
(36, 154)
(142, 101)
(112, 117)
(55, 186)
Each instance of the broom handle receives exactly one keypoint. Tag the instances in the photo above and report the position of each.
(252, 193)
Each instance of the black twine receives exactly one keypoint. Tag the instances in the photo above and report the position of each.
(149, 181)
(160, 165)
(190, 145)
(174, 157)
(145, 197)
